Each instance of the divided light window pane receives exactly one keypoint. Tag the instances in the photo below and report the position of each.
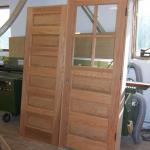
(84, 22)
(106, 19)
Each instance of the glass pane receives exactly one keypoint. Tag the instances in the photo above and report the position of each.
(83, 51)
(106, 19)
(104, 52)
(143, 27)
(104, 48)
(84, 20)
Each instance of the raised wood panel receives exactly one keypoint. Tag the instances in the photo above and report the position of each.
(47, 19)
(40, 121)
(94, 128)
(56, 9)
(38, 81)
(45, 40)
(45, 51)
(42, 71)
(41, 98)
(53, 30)
(81, 143)
(89, 120)
(35, 133)
(83, 130)
(91, 108)
(97, 85)
(90, 96)
(40, 102)
(42, 61)
(39, 111)
(40, 92)
(92, 72)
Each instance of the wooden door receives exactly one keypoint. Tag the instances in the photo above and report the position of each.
(43, 73)
(93, 76)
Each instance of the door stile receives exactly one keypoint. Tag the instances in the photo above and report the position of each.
(117, 74)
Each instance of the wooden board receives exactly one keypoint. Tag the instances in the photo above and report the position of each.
(138, 84)
(16, 47)
(43, 73)
(92, 96)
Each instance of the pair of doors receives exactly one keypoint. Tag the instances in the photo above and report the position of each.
(73, 74)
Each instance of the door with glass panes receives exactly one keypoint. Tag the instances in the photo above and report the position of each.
(93, 75)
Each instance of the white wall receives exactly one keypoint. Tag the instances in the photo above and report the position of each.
(19, 26)
(5, 2)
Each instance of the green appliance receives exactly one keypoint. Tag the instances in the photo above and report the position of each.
(10, 88)
(135, 106)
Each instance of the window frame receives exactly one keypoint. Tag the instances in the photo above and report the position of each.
(134, 34)
(4, 6)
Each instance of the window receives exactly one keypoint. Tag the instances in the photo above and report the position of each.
(94, 39)
(4, 39)
(142, 46)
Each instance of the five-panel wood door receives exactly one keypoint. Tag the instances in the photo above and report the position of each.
(93, 74)
(43, 73)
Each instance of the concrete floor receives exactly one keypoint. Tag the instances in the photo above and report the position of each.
(127, 144)
(10, 132)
